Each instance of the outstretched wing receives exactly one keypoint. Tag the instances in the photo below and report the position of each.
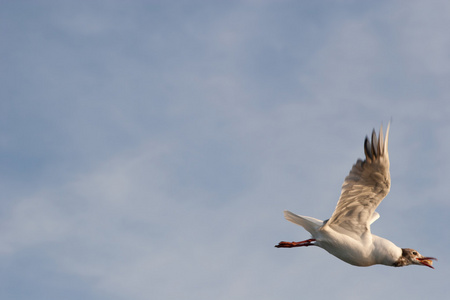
(364, 188)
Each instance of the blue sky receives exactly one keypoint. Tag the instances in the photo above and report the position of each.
(149, 148)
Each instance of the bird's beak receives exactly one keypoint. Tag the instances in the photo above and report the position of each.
(427, 261)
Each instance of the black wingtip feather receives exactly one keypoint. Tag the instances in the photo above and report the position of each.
(374, 144)
(367, 149)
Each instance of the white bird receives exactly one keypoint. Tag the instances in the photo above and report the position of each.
(346, 234)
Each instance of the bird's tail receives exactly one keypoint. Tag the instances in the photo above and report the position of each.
(312, 225)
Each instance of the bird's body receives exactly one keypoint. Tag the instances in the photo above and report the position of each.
(347, 234)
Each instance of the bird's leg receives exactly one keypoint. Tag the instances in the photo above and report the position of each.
(305, 243)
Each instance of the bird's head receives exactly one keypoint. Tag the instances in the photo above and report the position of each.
(412, 257)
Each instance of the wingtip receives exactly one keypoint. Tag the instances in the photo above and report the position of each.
(381, 140)
(386, 140)
(375, 151)
(376, 147)
(367, 149)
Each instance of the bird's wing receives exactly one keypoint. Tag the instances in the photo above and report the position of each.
(364, 188)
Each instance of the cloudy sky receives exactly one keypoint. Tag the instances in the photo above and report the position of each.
(149, 148)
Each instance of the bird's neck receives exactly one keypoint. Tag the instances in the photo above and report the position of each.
(385, 252)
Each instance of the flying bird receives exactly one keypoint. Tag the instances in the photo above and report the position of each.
(346, 234)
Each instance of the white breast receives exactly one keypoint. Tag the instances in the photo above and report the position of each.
(359, 251)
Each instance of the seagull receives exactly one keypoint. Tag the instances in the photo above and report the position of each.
(347, 234)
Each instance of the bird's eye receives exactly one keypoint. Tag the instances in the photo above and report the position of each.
(414, 253)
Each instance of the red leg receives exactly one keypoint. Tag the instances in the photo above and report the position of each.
(296, 244)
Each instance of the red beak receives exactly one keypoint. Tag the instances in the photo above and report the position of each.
(427, 261)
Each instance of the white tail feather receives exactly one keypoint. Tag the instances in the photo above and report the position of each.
(310, 224)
